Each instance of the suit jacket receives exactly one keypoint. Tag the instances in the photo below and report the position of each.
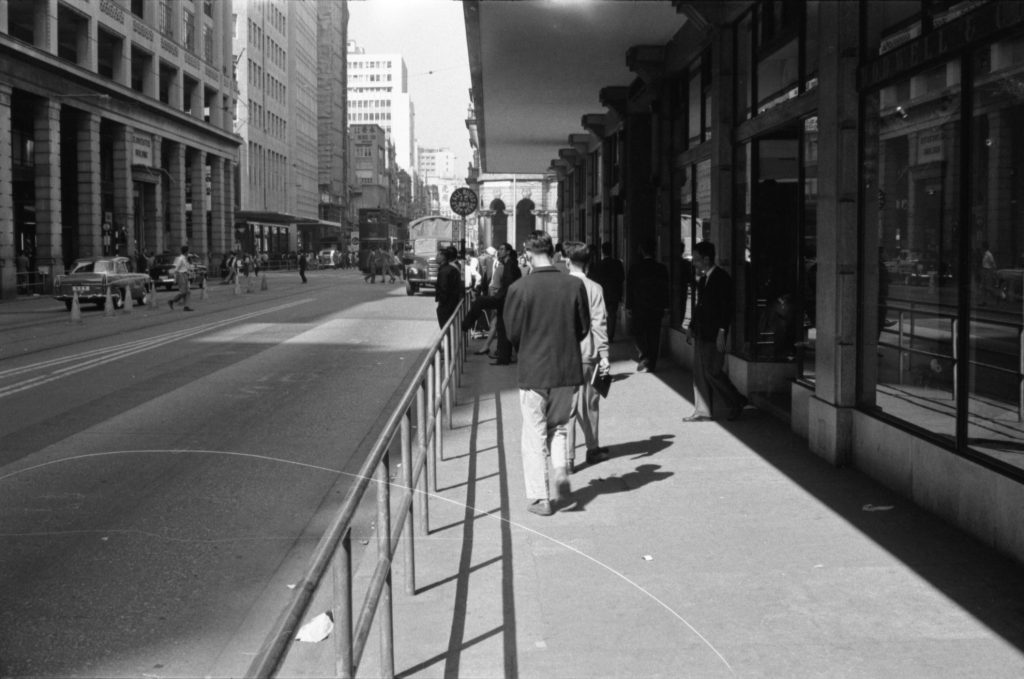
(547, 315)
(647, 287)
(715, 305)
(449, 290)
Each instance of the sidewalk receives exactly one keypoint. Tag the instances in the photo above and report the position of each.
(698, 550)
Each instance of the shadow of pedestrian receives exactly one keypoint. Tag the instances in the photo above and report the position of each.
(641, 476)
(641, 448)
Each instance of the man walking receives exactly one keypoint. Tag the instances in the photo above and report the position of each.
(449, 290)
(180, 271)
(610, 275)
(594, 352)
(646, 300)
(709, 329)
(547, 316)
(303, 262)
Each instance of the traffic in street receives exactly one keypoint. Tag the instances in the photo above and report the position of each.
(162, 474)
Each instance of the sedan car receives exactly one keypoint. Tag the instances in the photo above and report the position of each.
(160, 271)
(92, 277)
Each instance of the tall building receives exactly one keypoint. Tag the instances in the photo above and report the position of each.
(378, 94)
(436, 162)
(332, 114)
(276, 53)
(115, 132)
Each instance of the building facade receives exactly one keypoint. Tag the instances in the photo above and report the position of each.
(434, 163)
(116, 130)
(858, 168)
(378, 94)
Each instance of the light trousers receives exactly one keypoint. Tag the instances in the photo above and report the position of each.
(585, 412)
(546, 414)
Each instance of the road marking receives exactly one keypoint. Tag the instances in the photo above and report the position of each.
(87, 360)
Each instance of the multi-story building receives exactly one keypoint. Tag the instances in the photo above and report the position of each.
(332, 114)
(277, 70)
(115, 131)
(378, 94)
(436, 162)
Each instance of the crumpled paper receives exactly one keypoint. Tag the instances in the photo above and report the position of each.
(316, 630)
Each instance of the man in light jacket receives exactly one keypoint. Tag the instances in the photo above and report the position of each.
(594, 352)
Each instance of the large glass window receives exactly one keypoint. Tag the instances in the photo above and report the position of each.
(809, 252)
(912, 207)
(996, 239)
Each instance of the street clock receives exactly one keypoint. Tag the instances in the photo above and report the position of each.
(463, 201)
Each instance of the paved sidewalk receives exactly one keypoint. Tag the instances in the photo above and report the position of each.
(698, 550)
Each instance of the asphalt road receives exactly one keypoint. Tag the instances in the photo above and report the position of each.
(163, 474)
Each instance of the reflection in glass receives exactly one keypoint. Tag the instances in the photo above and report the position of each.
(913, 179)
(996, 240)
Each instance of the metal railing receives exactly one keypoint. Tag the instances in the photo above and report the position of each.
(416, 424)
(909, 338)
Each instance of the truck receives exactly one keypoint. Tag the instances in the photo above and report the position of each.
(427, 236)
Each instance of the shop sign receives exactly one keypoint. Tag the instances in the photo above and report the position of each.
(142, 150)
(929, 147)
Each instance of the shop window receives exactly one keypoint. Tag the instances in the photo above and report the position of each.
(996, 247)
(807, 313)
(912, 236)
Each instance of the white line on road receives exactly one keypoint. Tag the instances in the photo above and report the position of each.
(87, 360)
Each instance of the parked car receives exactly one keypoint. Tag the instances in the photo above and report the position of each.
(160, 271)
(328, 257)
(91, 277)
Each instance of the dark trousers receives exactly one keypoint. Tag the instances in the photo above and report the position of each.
(647, 336)
(710, 383)
(302, 274)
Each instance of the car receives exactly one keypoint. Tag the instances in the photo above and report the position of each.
(160, 271)
(328, 257)
(92, 277)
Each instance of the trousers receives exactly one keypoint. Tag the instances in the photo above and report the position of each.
(546, 414)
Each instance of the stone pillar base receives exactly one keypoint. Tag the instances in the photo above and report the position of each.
(830, 431)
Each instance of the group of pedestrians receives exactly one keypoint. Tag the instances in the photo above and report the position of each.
(560, 327)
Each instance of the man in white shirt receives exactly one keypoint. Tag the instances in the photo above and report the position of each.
(180, 272)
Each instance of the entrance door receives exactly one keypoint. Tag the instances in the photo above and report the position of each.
(775, 247)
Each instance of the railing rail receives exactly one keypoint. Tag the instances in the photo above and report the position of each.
(907, 333)
(420, 408)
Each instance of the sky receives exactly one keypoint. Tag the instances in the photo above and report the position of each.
(431, 37)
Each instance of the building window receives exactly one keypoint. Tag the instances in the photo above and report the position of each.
(138, 7)
(208, 7)
(166, 19)
(189, 24)
(943, 250)
(208, 43)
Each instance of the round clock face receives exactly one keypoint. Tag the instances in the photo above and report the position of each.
(463, 201)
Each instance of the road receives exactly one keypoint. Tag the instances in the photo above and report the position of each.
(163, 474)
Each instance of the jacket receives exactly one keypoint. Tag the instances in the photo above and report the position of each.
(715, 305)
(547, 315)
(594, 346)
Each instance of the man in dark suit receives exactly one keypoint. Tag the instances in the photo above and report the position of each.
(646, 301)
(709, 329)
(547, 315)
(449, 290)
(610, 275)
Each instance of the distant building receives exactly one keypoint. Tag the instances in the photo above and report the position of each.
(378, 94)
(293, 174)
(436, 162)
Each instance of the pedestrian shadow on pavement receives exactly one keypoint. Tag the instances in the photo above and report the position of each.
(638, 478)
(641, 448)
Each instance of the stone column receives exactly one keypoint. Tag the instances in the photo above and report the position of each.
(218, 207)
(197, 177)
(155, 216)
(124, 212)
(49, 252)
(176, 237)
(230, 174)
(830, 411)
(723, 104)
(8, 265)
(90, 209)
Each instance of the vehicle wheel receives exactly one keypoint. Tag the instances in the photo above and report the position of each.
(67, 303)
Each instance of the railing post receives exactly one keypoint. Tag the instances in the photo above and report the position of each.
(387, 632)
(450, 371)
(954, 331)
(901, 354)
(421, 444)
(342, 609)
(407, 535)
(436, 412)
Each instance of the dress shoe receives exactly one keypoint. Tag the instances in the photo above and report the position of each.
(697, 418)
(596, 455)
(540, 507)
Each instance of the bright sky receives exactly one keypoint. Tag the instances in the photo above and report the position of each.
(431, 37)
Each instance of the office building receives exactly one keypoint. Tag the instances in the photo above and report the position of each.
(378, 94)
